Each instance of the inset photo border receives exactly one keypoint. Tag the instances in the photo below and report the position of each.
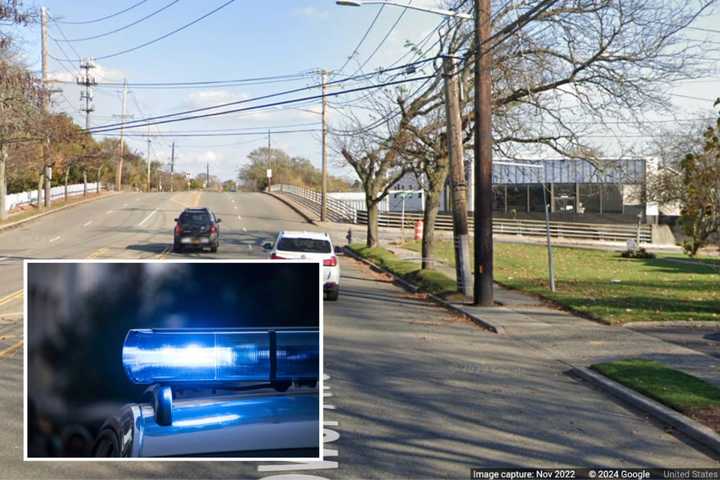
(167, 360)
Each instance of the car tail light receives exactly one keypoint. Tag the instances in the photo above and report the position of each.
(275, 256)
(170, 356)
(213, 229)
(178, 229)
(330, 262)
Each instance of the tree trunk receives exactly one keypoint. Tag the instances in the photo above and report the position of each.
(118, 175)
(67, 175)
(48, 191)
(432, 205)
(373, 237)
(3, 182)
(40, 191)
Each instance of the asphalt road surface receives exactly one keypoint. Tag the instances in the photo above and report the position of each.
(411, 392)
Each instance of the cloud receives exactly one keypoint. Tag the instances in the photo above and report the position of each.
(206, 98)
(104, 74)
(311, 12)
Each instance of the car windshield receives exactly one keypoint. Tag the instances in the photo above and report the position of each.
(199, 218)
(308, 245)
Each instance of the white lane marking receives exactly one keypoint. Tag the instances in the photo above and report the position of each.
(236, 207)
(147, 218)
(244, 229)
(329, 436)
(125, 205)
(52, 240)
(108, 212)
(2, 259)
(239, 217)
(87, 224)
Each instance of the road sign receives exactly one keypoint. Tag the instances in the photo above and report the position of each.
(269, 173)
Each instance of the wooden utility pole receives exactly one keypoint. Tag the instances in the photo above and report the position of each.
(483, 261)
(172, 168)
(119, 168)
(46, 103)
(323, 206)
(269, 160)
(457, 177)
(148, 165)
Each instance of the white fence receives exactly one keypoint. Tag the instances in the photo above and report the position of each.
(25, 198)
(338, 210)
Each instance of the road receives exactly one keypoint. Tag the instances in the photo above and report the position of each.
(412, 391)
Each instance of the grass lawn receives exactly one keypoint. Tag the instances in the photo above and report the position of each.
(678, 390)
(608, 287)
(428, 280)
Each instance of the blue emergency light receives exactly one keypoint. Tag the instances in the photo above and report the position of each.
(180, 356)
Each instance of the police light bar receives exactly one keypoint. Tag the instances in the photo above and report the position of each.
(170, 356)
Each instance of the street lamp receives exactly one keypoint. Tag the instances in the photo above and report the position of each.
(436, 11)
(482, 183)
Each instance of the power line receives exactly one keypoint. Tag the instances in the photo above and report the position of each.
(103, 129)
(162, 37)
(125, 27)
(85, 22)
(362, 40)
(382, 42)
(207, 83)
(262, 97)
(223, 134)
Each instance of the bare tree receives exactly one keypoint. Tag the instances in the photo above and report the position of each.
(560, 72)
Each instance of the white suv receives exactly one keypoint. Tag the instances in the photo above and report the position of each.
(311, 246)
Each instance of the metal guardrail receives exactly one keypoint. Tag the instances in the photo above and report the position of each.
(584, 231)
(339, 211)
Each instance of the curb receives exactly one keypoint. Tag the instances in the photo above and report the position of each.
(695, 430)
(10, 226)
(415, 289)
(673, 323)
(290, 204)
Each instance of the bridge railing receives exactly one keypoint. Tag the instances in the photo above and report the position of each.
(338, 210)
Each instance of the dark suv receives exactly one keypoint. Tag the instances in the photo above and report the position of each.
(197, 227)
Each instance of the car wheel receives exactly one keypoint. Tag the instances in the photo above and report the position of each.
(214, 249)
(332, 295)
(177, 247)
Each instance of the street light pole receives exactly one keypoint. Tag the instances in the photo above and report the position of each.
(483, 259)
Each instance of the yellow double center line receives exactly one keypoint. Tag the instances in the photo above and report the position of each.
(4, 301)
(12, 297)
(12, 349)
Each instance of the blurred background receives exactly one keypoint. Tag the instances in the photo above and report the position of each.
(79, 314)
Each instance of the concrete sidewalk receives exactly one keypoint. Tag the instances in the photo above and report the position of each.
(576, 341)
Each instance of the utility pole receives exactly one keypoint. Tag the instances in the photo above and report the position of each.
(483, 261)
(46, 103)
(172, 168)
(119, 168)
(269, 159)
(457, 177)
(87, 81)
(148, 165)
(207, 175)
(323, 207)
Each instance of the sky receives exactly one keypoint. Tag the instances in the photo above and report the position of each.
(245, 39)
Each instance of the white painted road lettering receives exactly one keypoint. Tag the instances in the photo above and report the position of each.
(329, 436)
